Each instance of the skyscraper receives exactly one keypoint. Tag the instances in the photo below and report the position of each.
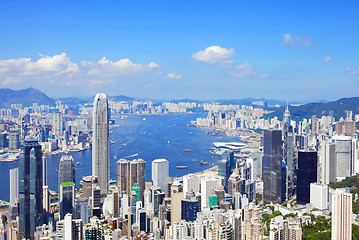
(30, 187)
(67, 169)
(160, 168)
(100, 142)
(67, 182)
(129, 173)
(58, 124)
(341, 215)
(273, 167)
(14, 185)
(288, 155)
(307, 174)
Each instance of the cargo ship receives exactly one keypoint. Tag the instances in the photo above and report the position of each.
(188, 150)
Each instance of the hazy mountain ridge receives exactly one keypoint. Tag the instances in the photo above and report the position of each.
(26, 97)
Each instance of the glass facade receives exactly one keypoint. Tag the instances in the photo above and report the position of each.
(30, 188)
(307, 174)
(272, 167)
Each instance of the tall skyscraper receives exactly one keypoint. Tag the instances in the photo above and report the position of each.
(307, 174)
(341, 215)
(160, 173)
(66, 198)
(30, 187)
(346, 156)
(58, 124)
(272, 164)
(327, 163)
(288, 155)
(67, 182)
(14, 185)
(67, 169)
(129, 173)
(100, 142)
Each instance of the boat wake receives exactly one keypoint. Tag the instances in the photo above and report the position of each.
(129, 156)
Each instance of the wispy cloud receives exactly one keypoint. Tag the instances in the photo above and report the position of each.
(350, 72)
(214, 54)
(328, 59)
(173, 76)
(297, 41)
(245, 70)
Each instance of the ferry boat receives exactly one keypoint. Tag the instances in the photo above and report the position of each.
(190, 133)
(188, 150)
(181, 167)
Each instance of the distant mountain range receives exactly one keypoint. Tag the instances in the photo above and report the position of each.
(320, 109)
(26, 97)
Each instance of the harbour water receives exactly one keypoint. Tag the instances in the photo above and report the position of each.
(155, 137)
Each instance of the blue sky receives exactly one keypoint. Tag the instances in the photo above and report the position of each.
(287, 50)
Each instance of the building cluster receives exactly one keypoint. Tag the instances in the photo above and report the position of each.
(288, 171)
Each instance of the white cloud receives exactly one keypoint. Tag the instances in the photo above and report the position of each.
(351, 72)
(214, 54)
(246, 70)
(173, 76)
(297, 41)
(107, 68)
(24, 69)
(328, 59)
(98, 83)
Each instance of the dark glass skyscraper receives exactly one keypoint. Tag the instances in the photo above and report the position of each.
(272, 167)
(307, 174)
(224, 171)
(67, 181)
(30, 188)
(67, 169)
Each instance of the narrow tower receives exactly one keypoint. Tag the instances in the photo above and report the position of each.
(100, 142)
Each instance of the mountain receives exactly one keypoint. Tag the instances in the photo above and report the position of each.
(120, 98)
(248, 101)
(320, 109)
(26, 97)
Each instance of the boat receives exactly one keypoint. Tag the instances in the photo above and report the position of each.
(202, 162)
(55, 170)
(206, 132)
(190, 133)
(187, 125)
(181, 167)
(78, 163)
(188, 150)
(168, 141)
(144, 119)
(119, 147)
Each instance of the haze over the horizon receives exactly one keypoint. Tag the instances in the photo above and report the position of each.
(297, 51)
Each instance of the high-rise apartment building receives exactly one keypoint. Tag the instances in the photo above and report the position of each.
(307, 174)
(30, 187)
(341, 215)
(346, 156)
(274, 174)
(14, 140)
(100, 142)
(129, 173)
(160, 173)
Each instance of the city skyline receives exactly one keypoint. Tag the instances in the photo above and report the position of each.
(296, 51)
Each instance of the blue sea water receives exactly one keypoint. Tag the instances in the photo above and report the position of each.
(164, 136)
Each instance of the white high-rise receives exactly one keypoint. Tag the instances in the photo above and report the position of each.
(341, 215)
(327, 163)
(346, 156)
(100, 142)
(14, 185)
(160, 173)
(58, 124)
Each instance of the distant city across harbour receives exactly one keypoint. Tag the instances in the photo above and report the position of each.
(160, 136)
